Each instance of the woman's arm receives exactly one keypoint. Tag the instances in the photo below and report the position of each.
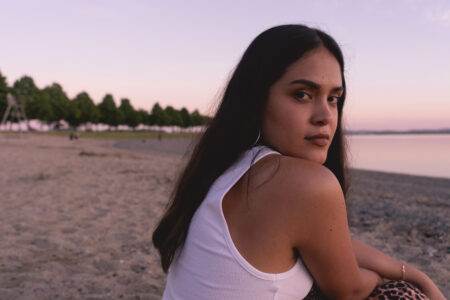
(390, 268)
(311, 214)
(385, 265)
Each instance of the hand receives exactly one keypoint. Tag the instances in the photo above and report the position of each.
(382, 280)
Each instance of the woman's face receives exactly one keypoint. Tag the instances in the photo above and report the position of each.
(301, 113)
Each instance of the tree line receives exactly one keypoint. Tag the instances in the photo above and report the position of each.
(51, 104)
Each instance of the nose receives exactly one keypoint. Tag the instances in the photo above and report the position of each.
(321, 114)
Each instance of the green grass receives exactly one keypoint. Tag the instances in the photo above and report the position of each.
(114, 134)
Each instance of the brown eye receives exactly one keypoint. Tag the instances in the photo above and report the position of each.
(334, 99)
(301, 95)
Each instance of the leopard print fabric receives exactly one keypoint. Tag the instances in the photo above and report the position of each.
(397, 290)
(392, 290)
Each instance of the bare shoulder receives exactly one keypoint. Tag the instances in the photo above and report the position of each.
(298, 194)
(306, 174)
(291, 178)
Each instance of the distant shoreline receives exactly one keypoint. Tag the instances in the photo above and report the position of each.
(346, 132)
(183, 146)
(390, 132)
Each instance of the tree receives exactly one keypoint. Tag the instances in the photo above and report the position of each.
(130, 116)
(52, 104)
(58, 101)
(109, 114)
(206, 120)
(173, 116)
(44, 107)
(3, 92)
(37, 102)
(25, 90)
(143, 117)
(74, 115)
(197, 118)
(88, 111)
(158, 116)
(186, 117)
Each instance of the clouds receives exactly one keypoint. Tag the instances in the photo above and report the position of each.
(439, 16)
(434, 11)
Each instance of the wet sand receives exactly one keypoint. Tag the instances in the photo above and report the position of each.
(76, 217)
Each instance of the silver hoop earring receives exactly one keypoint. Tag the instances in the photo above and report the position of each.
(257, 138)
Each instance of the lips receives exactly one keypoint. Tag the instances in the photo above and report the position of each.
(318, 139)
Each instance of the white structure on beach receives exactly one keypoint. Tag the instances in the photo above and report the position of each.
(38, 125)
(15, 109)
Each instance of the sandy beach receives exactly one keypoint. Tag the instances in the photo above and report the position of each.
(76, 217)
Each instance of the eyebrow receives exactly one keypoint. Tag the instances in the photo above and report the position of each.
(314, 85)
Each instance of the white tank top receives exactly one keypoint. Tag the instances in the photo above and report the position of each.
(210, 266)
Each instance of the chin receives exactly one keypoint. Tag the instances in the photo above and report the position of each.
(319, 158)
(314, 157)
(320, 161)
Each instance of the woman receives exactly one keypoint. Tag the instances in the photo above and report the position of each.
(259, 211)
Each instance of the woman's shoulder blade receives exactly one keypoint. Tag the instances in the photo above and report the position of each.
(298, 195)
(290, 177)
(294, 184)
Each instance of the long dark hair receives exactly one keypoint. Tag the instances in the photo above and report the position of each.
(235, 126)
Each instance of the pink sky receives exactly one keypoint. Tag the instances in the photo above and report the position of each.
(180, 53)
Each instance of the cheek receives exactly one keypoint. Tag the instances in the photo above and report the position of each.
(283, 128)
(274, 120)
(279, 117)
(334, 122)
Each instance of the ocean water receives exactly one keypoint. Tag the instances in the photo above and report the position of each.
(421, 154)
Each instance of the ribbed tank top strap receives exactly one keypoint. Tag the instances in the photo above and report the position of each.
(239, 167)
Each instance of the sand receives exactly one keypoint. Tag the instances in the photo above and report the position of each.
(76, 217)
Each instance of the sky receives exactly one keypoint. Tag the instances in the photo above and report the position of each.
(181, 53)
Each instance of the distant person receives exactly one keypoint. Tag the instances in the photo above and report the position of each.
(259, 210)
(73, 136)
(159, 136)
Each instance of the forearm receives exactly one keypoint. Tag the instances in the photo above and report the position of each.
(385, 265)
(390, 268)
(361, 288)
(369, 281)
